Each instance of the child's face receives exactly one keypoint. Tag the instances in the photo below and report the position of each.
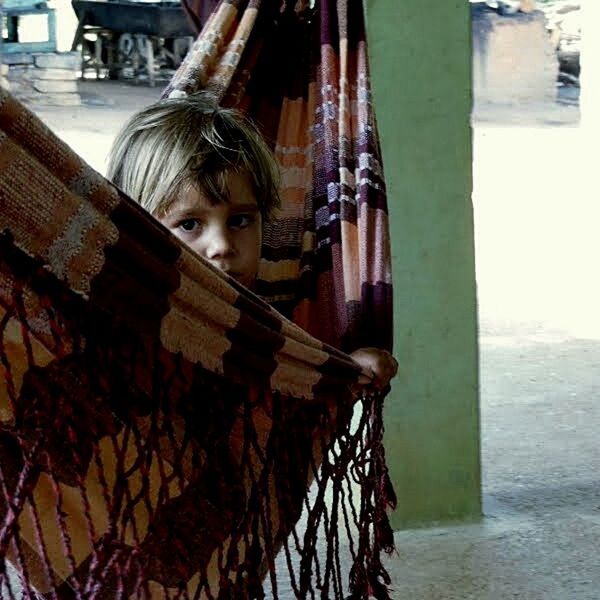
(227, 234)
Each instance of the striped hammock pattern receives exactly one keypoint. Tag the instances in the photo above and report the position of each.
(302, 74)
(164, 434)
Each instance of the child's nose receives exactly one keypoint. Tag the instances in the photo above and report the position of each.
(219, 243)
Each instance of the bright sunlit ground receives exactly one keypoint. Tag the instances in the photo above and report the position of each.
(536, 222)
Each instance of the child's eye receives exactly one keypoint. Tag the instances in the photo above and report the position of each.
(188, 225)
(241, 221)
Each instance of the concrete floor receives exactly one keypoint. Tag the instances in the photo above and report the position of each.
(540, 537)
(537, 252)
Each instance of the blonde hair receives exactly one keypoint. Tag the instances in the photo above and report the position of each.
(191, 140)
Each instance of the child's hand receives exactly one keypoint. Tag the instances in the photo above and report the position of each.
(379, 368)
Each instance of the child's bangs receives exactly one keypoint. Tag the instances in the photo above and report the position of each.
(213, 184)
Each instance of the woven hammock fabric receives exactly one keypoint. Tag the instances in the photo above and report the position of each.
(302, 74)
(160, 426)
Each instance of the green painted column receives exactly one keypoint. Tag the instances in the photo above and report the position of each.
(421, 75)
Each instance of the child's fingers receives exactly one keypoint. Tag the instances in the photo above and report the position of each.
(379, 367)
(365, 378)
(385, 370)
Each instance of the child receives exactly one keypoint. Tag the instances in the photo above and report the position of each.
(206, 173)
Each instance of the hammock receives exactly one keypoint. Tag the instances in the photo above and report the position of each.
(301, 73)
(164, 433)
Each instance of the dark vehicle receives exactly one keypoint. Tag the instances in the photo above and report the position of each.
(160, 19)
(129, 39)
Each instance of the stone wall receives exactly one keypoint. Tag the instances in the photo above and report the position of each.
(45, 78)
(513, 58)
